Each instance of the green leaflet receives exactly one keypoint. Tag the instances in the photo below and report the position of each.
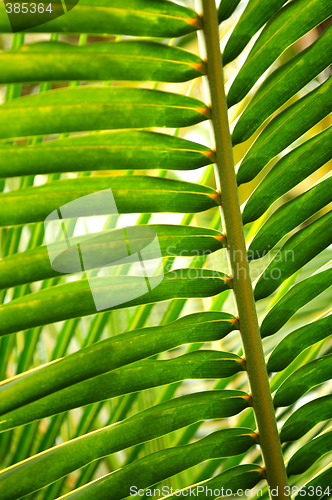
(240, 477)
(298, 340)
(299, 295)
(158, 18)
(75, 299)
(128, 60)
(163, 464)
(303, 379)
(319, 487)
(289, 216)
(306, 417)
(287, 173)
(107, 247)
(253, 18)
(282, 84)
(132, 194)
(112, 353)
(226, 9)
(288, 25)
(284, 129)
(310, 453)
(115, 150)
(295, 253)
(131, 378)
(45, 468)
(75, 109)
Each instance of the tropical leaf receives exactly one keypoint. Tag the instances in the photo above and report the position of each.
(135, 352)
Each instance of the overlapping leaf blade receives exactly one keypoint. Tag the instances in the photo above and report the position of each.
(319, 486)
(135, 377)
(306, 417)
(112, 353)
(75, 299)
(289, 216)
(310, 453)
(287, 26)
(154, 468)
(47, 467)
(253, 18)
(302, 380)
(295, 253)
(298, 296)
(298, 340)
(284, 129)
(287, 173)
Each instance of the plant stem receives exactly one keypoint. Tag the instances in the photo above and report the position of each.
(249, 327)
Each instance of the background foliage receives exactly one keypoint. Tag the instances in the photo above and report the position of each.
(156, 391)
